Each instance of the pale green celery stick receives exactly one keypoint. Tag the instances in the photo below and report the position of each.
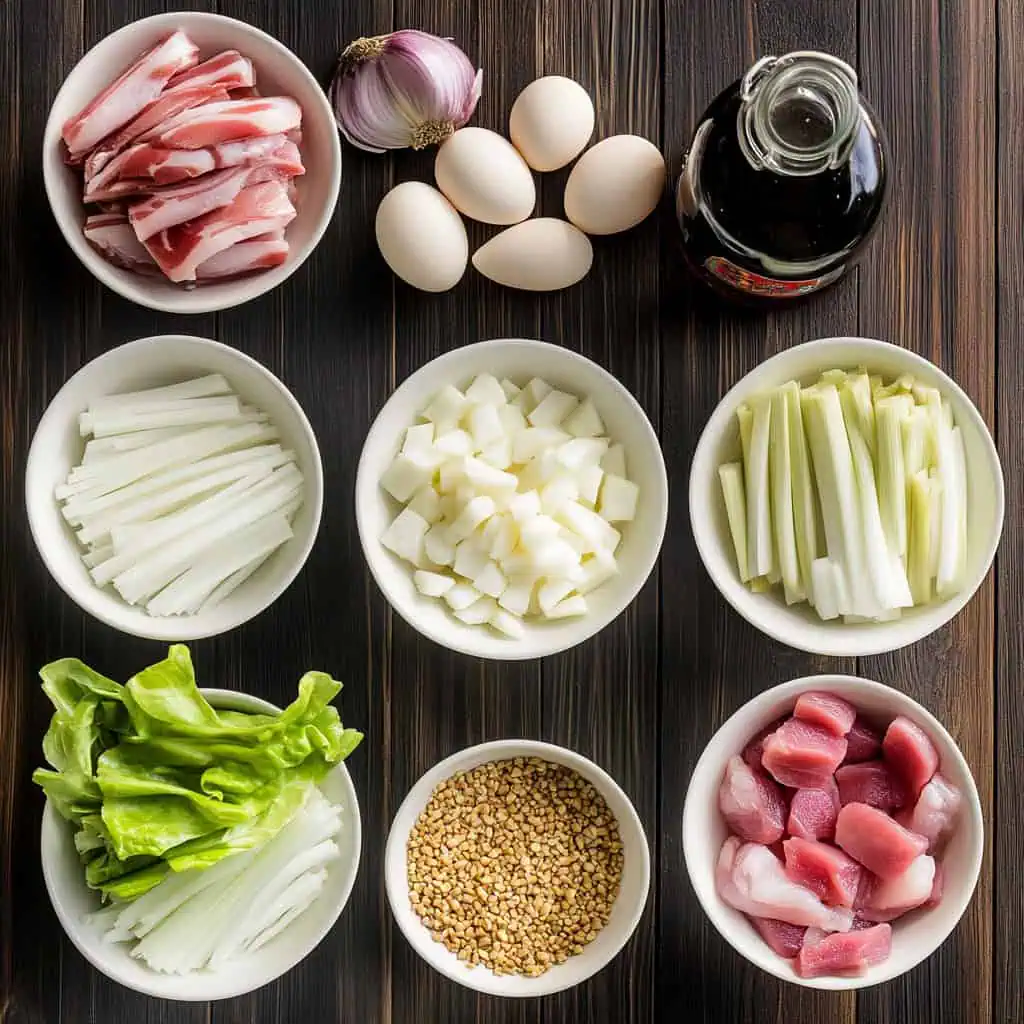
(760, 585)
(781, 473)
(837, 489)
(935, 519)
(901, 386)
(855, 395)
(888, 577)
(745, 418)
(951, 550)
(837, 377)
(919, 557)
(760, 550)
(731, 476)
(825, 591)
(805, 502)
(916, 431)
(891, 469)
(961, 462)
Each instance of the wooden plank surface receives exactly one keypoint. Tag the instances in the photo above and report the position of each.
(644, 697)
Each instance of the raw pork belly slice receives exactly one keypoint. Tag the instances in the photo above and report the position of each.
(751, 879)
(827, 872)
(863, 743)
(112, 236)
(783, 938)
(229, 121)
(813, 812)
(127, 95)
(873, 783)
(935, 813)
(257, 210)
(167, 104)
(178, 203)
(228, 69)
(828, 711)
(848, 954)
(803, 755)
(144, 166)
(244, 257)
(878, 842)
(907, 748)
(755, 748)
(751, 803)
(885, 900)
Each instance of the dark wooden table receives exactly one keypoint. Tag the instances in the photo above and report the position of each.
(943, 278)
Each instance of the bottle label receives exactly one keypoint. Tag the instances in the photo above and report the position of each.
(769, 287)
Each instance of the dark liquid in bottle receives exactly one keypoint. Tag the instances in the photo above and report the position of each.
(778, 235)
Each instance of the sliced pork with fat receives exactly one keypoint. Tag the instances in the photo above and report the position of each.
(244, 258)
(112, 236)
(215, 123)
(848, 954)
(228, 69)
(935, 813)
(887, 899)
(828, 872)
(129, 94)
(751, 803)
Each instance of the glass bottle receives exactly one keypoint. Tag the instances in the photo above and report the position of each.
(784, 180)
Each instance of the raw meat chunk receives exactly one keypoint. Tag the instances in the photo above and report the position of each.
(878, 842)
(887, 900)
(848, 954)
(863, 743)
(751, 803)
(828, 711)
(784, 939)
(913, 756)
(753, 751)
(803, 755)
(823, 869)
(935, 813)
(751, 879)
(813, 812)
(871, 782)
(860, 923)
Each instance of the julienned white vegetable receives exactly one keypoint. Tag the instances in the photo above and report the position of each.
(181, 494)
(852, 492)
(210, 917)
(512, 498)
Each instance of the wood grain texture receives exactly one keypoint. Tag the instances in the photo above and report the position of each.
(643, 698)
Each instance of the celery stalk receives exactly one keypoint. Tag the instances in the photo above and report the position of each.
(916, 430)
(855, 395)
(780, 471)
(891, 469)
(919, 558)
(805, 502)
(731, 476)
(823, 578)
(760, 552)
(935, 520)
(951, 551)
(745, 419)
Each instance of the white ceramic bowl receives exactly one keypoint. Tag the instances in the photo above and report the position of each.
(73, 900)
(57, 447)
(626, 913)
(519, 360)
(915, 936)
(798, 625)
(278, 72)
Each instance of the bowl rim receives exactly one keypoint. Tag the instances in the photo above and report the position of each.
(234, 700)
(314, 495)
(854, 644)
(364, 483)
(396, 883)
(104, 271)
(792, 688)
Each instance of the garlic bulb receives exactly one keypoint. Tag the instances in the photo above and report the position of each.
(407, 88)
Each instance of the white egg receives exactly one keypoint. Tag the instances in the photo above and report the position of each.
(540, 255)
(615, 185)
(551, 122)
(422, 237)
(484, 176)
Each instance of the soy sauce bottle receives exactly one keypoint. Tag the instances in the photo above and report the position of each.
(784, 180)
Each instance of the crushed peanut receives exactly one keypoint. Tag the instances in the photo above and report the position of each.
(515, 865)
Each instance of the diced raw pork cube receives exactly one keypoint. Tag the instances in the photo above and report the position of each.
(907, 748)
(751, 879)
(848, 954)
(889, 899)
(935, 813)
(863, 743)
(813, 812)
(783, 938)
(871, 782)
(828, 711)
(751, 803)
(803, 755)
(755, 748)
(825, 870)
(878, 842)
